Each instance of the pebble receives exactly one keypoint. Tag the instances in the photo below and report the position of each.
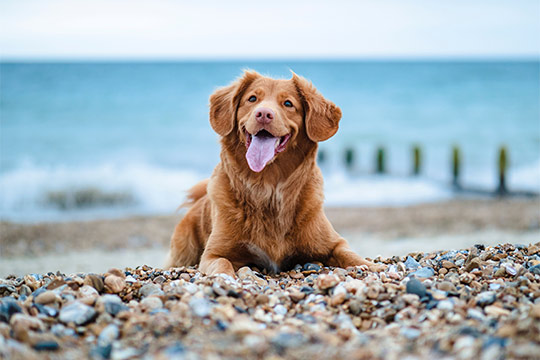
(150, 289)
(424, 272)
(21, 324)
(445, 305)
(496, 311)
(448, 264)
(46, 310)
(286, 340)
(485, 298)
(481, 302)
(415, 286)
(49, 345)
(475, 314)
(46, 297)
(510, 270)
(410, 333)
(200, 306)
(446, 286)
(411, 264)
(191, 288)
(280, 310)
(326, 281)
(8, 307)
(96, 281)
(151, 303)
(115, 283)
(311, 267)
(77, 313)
(535, 269)
(108, 335)
(475, 263)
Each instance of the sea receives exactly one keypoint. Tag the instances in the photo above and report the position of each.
(87, 140)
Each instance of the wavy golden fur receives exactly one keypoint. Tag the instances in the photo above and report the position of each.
(272, 218)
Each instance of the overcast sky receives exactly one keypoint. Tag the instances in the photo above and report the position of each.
(269, 29)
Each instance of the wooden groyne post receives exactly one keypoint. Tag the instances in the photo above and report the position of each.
(417, 160)
(456, 166)
(502, 167)
(349, 158)
(380, 166)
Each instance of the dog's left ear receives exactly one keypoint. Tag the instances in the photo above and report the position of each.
(224, 103)
(322, 116)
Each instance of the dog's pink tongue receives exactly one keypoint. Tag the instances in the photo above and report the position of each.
(260, 151)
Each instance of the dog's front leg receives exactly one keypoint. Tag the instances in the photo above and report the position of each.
(214, 259)
(343, 256)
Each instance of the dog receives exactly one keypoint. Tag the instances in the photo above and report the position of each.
(263, 204)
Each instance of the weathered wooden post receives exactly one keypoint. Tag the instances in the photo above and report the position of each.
(417, 160)
(349, 158)
(503, 166)
(456, 166)
(380, 165)
(321, 156)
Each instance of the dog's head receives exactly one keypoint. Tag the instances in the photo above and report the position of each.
(271, 116)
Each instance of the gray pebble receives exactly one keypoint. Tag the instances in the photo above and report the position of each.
(445, 305)
(101, 352)
(77, 313)
(411, 264)
(285, 340)
(200, 306)
(8, 307)
(61, 331)
(415, 286)
(150, 289)
(108, 335)
(49, 345)
(280, 310)
(410, 333)
(475, 314)
(494, 286)
(311, 267)
(6, 289)
(151, 303)
(535, 269)
(46, 310)
(191, 288)
(424, 272)
(486, 298)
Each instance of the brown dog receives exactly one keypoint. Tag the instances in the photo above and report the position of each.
(263, 204)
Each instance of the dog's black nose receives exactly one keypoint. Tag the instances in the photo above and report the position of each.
(264, 115)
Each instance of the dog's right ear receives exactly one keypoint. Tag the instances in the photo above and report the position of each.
(224, 103)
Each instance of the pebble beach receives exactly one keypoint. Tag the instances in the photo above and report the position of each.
(481, 302)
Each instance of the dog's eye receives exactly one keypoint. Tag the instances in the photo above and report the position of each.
(253, 98)
(287, 103)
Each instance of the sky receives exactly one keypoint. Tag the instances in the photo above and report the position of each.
(166, 29)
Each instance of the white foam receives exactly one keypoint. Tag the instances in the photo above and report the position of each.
(526, 177)
(154, 189)
(159, 190)
(344, 190)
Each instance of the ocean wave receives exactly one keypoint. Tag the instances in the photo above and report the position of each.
(34, 193)
(56, 193)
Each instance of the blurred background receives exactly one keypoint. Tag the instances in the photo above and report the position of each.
(103, 109)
